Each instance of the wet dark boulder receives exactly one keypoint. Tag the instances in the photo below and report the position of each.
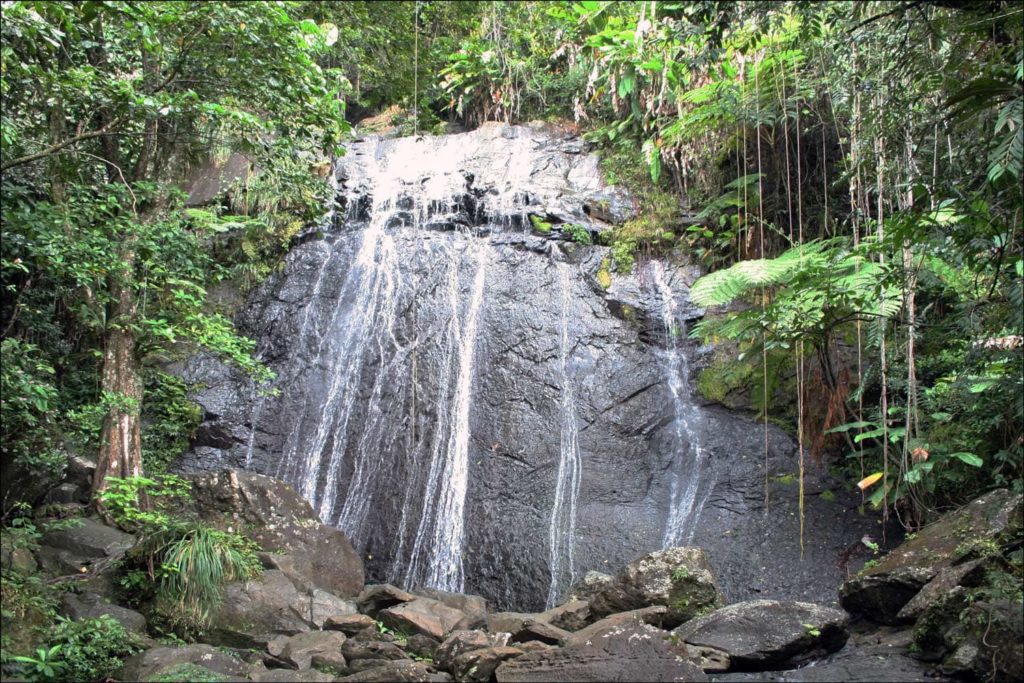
(881, 591)
(188, 662)
(625, 653)
(679, 579)
(423, 615)
(272, 514)
(765, 634)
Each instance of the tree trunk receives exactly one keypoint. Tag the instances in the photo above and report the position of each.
(121, 440)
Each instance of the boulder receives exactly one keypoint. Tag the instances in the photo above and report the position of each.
(972, 637)
(477, 666)
(324, 606)
(473, 606)
(355, 650)
(422, 646)
(967, 574)
(273, 515)
(460, 642)
(880, 592)
(590, 585)
(422, 615)
(572, 616)
(255, 611)
(90, 606)
(880, 654)
(507, 622)
(372, 599)
(651, 616)
(631, 652)
(181, 663)
(18, 560)
(677, 578)
(766, 634)
(396, 672)
(533, 629)
(69, 550)
(325, 646)
(349, 624)
(290, 676)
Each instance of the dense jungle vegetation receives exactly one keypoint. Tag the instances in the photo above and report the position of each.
(848, 174)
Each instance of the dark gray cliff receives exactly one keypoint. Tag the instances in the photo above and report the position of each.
(460, 394)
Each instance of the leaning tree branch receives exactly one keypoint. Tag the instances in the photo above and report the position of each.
(53, 149)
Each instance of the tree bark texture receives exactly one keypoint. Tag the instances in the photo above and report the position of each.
(121, 439)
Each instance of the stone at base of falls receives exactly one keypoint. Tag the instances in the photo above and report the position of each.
(478, 666)
(355, 650)
(678, 578)
(590, 585)
(533, 629)
(423, 615)
(650, 616)
(633, 652)
(473, 606)
(289, 676)
(90, 605)
(272, 514)
(324, 605)
(460, 642)
(572, 616)
(397, 672)
(507, 622)
(880, 592)
(766, 634)
(66, 551)
(314, 647)
(349, 624)
(374, 598)
(178, 663)
(256, 611)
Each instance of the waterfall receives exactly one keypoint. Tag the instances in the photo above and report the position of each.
(689, 459)
(562, 532)
(436, 558)
(326, 222)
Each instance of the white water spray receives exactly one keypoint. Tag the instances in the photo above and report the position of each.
(562, 531)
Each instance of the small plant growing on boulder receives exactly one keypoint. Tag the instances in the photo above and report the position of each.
(180, 565)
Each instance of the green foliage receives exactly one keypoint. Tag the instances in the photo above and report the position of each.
(578, 233)
(187, 671)
(27, 406)
(92, 649)
(179, 566)
(169, 419)
(44, 665)
(540, 225)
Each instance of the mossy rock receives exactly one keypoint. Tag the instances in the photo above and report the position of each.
(540, 225)
(982, 528)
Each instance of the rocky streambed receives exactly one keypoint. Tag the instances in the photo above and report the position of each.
(930, 609)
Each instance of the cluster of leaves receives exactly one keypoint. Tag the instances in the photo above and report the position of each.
(107, 107)
(180, 566)
(81, 650)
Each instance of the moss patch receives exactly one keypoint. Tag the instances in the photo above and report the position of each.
(540, 225)
(604, 275)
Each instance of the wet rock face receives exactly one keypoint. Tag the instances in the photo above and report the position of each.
(269, 512)
(935, 555)
(766, 634)
(366, 303)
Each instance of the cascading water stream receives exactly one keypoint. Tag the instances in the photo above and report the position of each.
(689, 460)
(436, 557)
(562, 531)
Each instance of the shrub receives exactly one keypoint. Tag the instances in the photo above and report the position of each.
(179, 565)
(92, 649)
